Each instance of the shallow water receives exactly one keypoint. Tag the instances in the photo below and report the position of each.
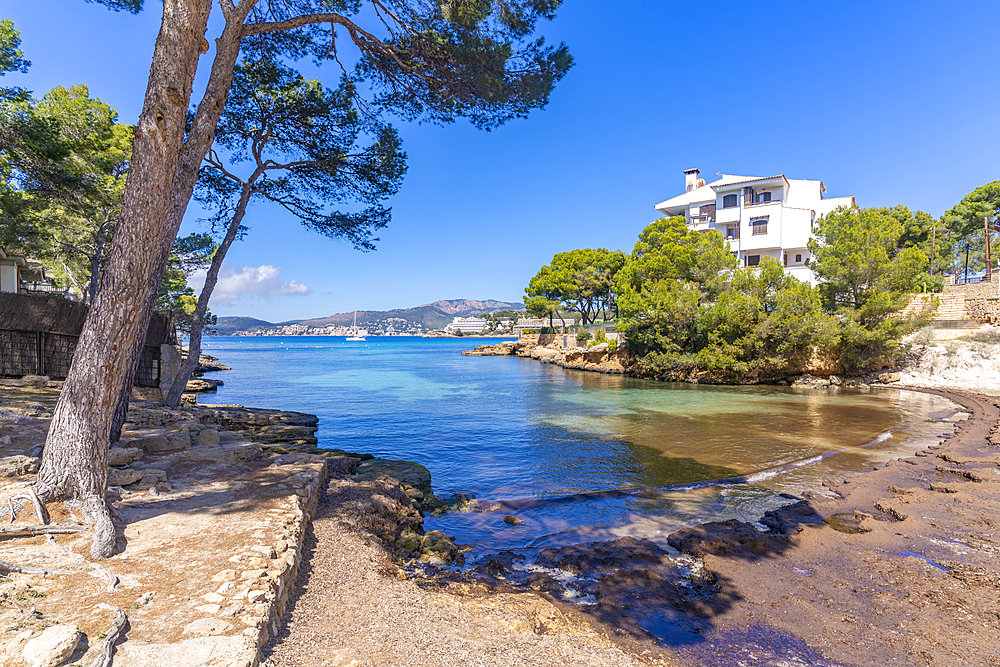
(540, 442)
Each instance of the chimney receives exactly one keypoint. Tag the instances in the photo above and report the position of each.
(691, 179)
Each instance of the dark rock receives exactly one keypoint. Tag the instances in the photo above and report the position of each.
(407, 472)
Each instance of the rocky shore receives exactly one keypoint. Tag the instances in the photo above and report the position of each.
(961, 360)
(213, 503)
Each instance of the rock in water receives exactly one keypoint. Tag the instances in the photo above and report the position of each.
(52, 647)
(407, 472)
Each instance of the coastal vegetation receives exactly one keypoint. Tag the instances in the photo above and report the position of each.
(684, 306)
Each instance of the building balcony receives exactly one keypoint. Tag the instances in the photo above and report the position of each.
(760, 203)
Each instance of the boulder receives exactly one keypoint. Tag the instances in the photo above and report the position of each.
(53, 646)
(811, 381)
(17, 465)
(123, 476)
(201, 385)
(207, 437)
(407, 472)
(887, 378)
(207, 627)
(122, 456)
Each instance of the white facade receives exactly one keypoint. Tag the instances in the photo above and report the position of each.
(15, 271)
(467, 324)
(773, 216)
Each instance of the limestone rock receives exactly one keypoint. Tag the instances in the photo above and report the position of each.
(53, 646)
(122, 456)
(123, 476)
(207, 627)
(811, 381)
(407, 472)
(153, 476)
(436, 544)
(887, 378)
(208, 437)
(511, 519)
(17, 465)
(201, 386)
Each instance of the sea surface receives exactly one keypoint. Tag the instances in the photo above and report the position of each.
(576, 456)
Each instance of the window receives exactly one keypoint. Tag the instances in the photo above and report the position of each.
(730, 201)
(759, 225)
(763, 197)
(798, 259)
(732, 232)
(753, 260)
(786, 259)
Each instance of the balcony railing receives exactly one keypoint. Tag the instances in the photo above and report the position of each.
(748, 204)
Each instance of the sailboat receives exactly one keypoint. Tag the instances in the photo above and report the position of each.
(355, 334)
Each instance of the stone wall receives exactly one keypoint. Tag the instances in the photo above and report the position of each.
(984, 309)
(983, 290)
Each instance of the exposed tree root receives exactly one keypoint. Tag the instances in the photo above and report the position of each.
(111, 576)
(31, 531)
(109, 641)
(96, 512)
(29, 495)
(10, 567)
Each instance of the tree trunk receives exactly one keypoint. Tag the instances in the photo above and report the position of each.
(74, 462)
(173, 397)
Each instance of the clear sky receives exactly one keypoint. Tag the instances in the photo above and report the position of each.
(891, 102)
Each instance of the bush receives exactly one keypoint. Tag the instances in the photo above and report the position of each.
(583, 335)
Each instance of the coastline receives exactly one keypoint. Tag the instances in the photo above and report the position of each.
(785, 593)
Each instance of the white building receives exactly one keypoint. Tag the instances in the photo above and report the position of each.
(15, 272)
(772, 216)
(467, 324)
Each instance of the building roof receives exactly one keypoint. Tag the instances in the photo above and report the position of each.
(728, 180)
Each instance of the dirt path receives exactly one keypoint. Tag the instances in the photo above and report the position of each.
(356, 608)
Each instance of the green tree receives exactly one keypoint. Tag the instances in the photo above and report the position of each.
(74, 223)
(857, 255)
(866, 280)
(668, 251)
(190, 253)
(433, 61)
(969, 222)
(765, 319)
(298, 145)
(581, 281)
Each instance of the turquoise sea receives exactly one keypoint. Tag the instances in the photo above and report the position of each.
(543, 443)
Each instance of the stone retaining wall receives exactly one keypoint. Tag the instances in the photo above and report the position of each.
(312, 477)
(984, 309)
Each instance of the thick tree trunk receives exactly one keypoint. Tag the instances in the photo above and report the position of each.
(173, 397)
(74, 463)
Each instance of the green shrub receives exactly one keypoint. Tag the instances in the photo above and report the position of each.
(583, 335)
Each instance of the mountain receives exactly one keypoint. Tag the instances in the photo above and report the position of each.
(471, 308)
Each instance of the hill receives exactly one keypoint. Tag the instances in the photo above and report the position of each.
(471, 308)
(426, 317)
(227, 325)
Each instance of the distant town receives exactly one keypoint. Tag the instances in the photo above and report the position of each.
(442, 318)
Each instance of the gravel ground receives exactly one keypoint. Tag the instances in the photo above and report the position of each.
(355, 607)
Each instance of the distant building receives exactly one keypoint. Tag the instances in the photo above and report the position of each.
(19, 275)
(772, 216)
(529, 323)
(468, 324)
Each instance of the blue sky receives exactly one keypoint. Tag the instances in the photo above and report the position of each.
(891, 102)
